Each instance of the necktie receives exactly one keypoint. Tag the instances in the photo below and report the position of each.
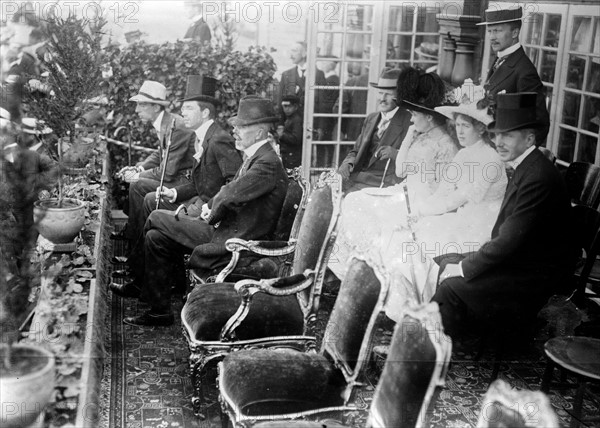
(383, 124)
(244, 166)
(198, 149)
(510, 172)
(497, 63)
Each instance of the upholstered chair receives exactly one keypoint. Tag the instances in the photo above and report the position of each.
(219, 318)
(285, 383)
(238, 264)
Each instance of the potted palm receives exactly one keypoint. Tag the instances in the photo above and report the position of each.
(73, 60)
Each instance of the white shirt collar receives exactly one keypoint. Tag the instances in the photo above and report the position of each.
(158, 121)
(197, 18)
(301, 67)
(516, 162)
(251, 151)
(203, 129)
(330, 73)
(389, 114)
(509, 50)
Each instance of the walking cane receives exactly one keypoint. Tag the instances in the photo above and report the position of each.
(387, 164)
(162, 175)
(414, 238)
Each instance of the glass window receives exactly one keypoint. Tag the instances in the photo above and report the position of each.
(548, 66)
(571, 109)
(566, 145)
(581, 34)
(553, 31)
(587, 148)
(534, 31)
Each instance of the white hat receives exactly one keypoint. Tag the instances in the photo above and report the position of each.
(151, 92)
(30, 125)
(468, 95)
(497, 15)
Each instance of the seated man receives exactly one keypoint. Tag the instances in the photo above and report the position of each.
(145, 176)
(248, 207)
(380, 138)
(531, 254)
(216, 161)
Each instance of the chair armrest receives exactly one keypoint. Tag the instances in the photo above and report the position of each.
(247, 288)
(263, 248)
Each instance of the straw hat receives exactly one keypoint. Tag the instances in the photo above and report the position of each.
(151, 92)
(495, 16)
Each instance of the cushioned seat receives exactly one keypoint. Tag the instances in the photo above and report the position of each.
(209, 307)
(303, 381)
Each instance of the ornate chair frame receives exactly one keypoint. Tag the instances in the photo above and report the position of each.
(306, 286)
(328, 348)
(235, 245)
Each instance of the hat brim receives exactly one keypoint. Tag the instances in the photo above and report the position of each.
(478, 114)
(235, 121)
(376, 85)
(143, 99)
(420, 108)
(492, 127)
(498, 22)
(204, 98)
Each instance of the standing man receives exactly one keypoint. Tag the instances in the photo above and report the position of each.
(216, 162)
(199, 29)
(379, 140)
(513, 71)
(248, 207)
(512, 276)
(291, 132)
(145, 176)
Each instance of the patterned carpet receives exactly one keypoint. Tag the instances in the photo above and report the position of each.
(146, 378)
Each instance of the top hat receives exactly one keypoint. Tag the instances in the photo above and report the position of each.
(294, 99)
(515, 111)
(495, 16)
(388, 79)
(253, 110)
(201, 88)
(469, 97)
(151, 92)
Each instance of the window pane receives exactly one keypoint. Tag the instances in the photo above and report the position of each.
(566, 145)
(328, 15)
(593, 77)
(575, 71)
(322, 156)
(548, 66)
(344, 149)
(553, 30)
(426, 49)
(581, 34)
(596, 38)
(591, 114)
(401, 18)
(402, 47)
(427, 21)
(587, 148)
(534, 31)
(358, 46)
(571, 109)
(329, 44)
(359, 17)
(533, 55)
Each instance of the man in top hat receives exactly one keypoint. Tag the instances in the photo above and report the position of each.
(145, 176)
(379, 140)
(248, 207)
(291, 132)
(512, 70)
(216, 162)
(199, 29)
(530, 255)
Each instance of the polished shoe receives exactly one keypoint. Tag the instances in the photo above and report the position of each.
(149, 319)
(121, 235)
(128, 289)
(119, 260)
(122, 273)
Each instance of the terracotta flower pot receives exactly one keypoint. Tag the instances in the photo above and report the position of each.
(59, 225)
(27, 386)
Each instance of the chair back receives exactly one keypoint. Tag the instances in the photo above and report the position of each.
(583, 183)
(314, 243)
(587, 235)
(293, 206)
(347, 337)
(504, 406)
(417, 362)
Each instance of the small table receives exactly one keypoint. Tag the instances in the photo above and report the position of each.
(580, 356)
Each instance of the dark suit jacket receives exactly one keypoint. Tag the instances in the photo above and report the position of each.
(533, 231)
(292, 84)
(218, 165)
(290, 143)
(250, 205)
(181, 152)
(518, 74)
(199, 31)
(365, 165)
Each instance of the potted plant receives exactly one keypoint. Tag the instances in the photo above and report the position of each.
(26, 371)
(73, 61)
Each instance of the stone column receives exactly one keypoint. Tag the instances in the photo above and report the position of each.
(458, 21)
